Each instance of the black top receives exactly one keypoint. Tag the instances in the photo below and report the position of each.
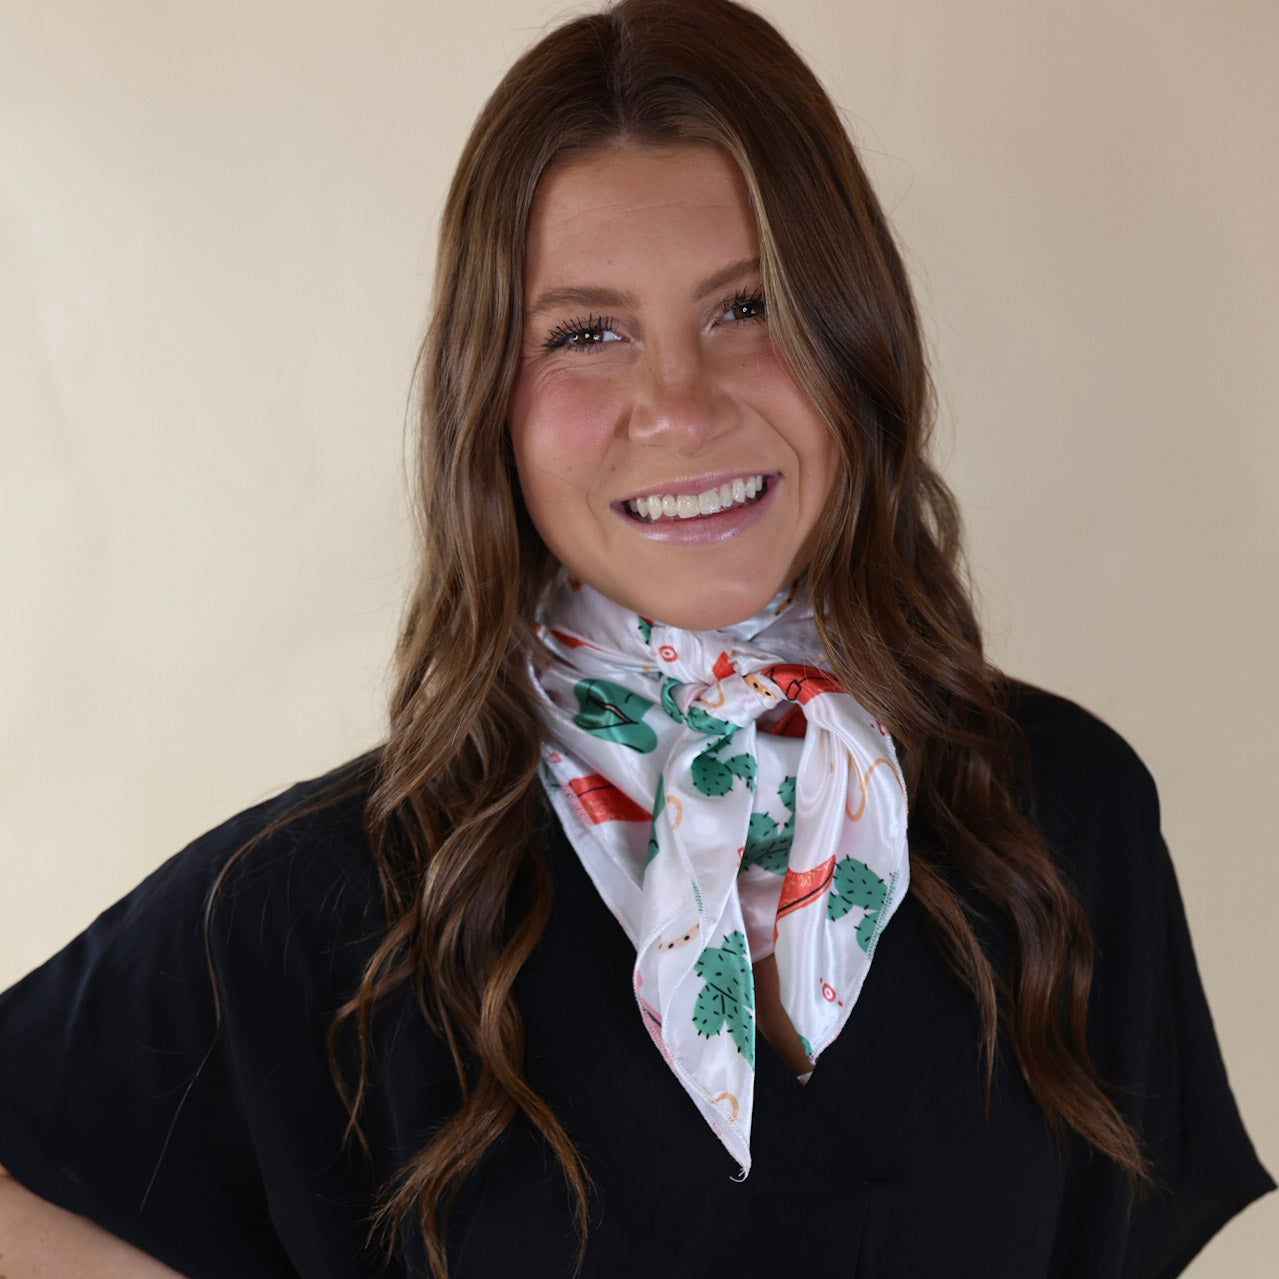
(223, 1156)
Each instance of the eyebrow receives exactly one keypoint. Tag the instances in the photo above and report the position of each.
(554, 299)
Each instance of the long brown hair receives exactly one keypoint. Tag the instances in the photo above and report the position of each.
(457, 782)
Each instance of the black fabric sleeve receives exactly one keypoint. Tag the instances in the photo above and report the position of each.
(205, 1135)
(1204, 1163)
(1150, 1030)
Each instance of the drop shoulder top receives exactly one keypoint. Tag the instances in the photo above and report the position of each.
(219, 1150)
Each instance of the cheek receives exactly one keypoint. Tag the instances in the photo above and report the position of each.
(560, 435)
(797, 421)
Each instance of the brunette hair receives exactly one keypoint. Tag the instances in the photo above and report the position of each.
(456, 788)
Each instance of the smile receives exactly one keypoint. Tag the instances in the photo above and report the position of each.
(740, 491)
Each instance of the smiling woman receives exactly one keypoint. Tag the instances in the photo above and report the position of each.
(707, 860)
(678, 399)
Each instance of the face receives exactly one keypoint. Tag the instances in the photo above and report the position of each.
(665, 453)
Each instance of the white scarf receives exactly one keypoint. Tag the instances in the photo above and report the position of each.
(730, 801)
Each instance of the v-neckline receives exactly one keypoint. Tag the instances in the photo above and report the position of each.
(798, 1143)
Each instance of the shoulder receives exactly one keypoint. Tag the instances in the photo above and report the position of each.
(321, 818)
(1086, 789)
(288, 889)
(310, 839)
(271, 895)
(291, 850)
(1068, 747)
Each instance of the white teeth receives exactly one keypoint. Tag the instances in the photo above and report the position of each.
(687, 506)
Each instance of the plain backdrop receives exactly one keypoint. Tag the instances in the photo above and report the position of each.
(216, 239)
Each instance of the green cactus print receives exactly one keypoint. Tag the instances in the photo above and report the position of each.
(711, 776)
(702, 721)
(659, 802)
(855, 884)
(668, 701)
(742, 766)
(714, 776)
(728, 995)
(614, 713)
(698, 718)
(767, 843)
(645, 629)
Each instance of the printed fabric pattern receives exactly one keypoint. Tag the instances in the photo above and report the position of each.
(729, 800)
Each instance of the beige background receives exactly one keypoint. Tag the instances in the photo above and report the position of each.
(216, 233)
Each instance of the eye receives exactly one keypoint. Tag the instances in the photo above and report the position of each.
(582, 335)
(745, 306)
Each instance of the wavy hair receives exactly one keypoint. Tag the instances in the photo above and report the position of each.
(456, 786)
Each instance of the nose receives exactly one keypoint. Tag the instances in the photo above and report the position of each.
(677, 401)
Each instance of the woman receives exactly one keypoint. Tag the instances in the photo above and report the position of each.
(688, 642)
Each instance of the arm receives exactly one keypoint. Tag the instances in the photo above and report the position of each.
(41, 1241)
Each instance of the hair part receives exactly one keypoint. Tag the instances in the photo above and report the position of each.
(458, 774)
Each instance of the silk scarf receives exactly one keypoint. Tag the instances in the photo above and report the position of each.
(729, 800)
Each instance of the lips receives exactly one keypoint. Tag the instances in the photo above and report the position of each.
(723, 525)
(687, 504)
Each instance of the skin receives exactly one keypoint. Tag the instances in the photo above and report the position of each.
(41, 1241)
(660, 385)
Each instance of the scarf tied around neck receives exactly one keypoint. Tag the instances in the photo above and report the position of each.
(729, 800)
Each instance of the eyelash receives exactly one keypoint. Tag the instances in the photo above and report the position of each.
(747, 297)
(559, 337)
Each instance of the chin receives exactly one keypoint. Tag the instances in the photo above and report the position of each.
(710, 609)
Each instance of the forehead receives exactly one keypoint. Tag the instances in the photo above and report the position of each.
(621, 200)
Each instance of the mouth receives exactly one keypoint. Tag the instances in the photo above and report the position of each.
(738, 492)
